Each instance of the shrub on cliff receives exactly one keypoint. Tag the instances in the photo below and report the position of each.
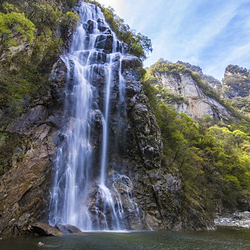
(32, 36)
(138, 44)
(15, 26)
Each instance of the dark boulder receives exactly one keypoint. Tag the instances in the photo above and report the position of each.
(68, 229)
(104, 42)
(90, 26)
(44, 229)
(131, 62)
(101, 25)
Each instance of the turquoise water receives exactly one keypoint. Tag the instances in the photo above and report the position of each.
(223, 238)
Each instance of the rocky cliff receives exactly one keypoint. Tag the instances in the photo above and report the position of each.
(209, 80)
(189, 90)
(200, 149)
(236, 87)
(31, 120)
(192, 92)
(30, 107)
(157, 192)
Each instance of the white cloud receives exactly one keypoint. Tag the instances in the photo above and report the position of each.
(186, 29)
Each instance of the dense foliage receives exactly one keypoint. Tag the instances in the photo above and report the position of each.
(138, 44)
(29, 43)
(212, 159)
(242, 104)
(32, 36)
(14, 25)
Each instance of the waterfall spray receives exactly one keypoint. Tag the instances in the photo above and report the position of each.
(74, 178)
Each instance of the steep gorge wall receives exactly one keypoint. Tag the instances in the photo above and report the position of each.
(196, 103)
(26, 178)
(158, 193)
(30, 110)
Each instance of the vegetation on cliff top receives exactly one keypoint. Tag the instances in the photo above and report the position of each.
(14, 25)
(138, 44)
(236, 88)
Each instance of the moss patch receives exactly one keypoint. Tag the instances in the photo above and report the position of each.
(8, 144)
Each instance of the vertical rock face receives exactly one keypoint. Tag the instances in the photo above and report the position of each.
(236, 82)
(30, 112)
(192, 92)
(148, 196)
(24, 188)
(236, 87)
(209, 80)
(157, 194)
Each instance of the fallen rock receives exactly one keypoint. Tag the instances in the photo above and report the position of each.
(43, 229)
(68, 229)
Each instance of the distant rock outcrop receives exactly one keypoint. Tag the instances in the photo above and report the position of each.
(236, 87)
(209, 80)
(190, 91)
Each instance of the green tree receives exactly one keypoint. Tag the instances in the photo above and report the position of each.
(14, 26)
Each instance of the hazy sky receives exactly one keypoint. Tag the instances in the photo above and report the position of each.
(208, 33)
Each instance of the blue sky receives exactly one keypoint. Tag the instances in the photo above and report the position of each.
(209, 33)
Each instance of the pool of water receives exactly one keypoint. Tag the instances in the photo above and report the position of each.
(223, 238)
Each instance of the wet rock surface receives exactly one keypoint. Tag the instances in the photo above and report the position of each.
(104, 42)
(147, 132)
(68, 229)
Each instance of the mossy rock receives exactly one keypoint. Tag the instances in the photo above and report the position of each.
(9, 143)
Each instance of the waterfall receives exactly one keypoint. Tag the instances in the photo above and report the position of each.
(81, 195)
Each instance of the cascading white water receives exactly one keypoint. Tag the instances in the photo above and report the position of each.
(74, 178)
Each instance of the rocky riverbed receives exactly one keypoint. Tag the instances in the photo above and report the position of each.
(237, 219)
